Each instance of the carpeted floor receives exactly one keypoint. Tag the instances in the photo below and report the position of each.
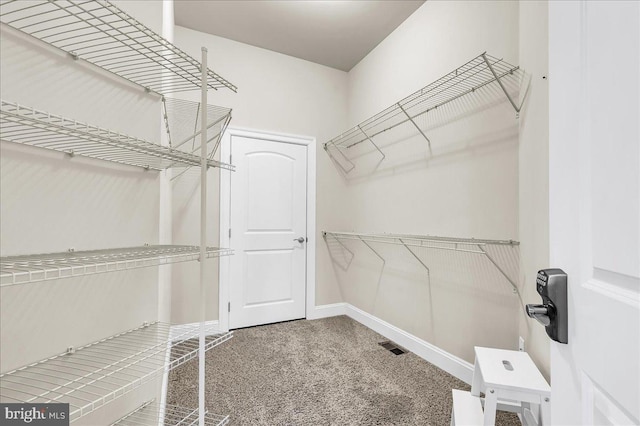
(324, 372)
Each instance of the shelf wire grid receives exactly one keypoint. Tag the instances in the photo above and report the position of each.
(502, 254)
(104, 35)
(93, 375)
(154, 414)
(182, 121)
(480, 72)
(28, 126)
(25, 269)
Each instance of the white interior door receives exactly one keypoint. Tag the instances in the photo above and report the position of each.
(268, 231)
(594, 185)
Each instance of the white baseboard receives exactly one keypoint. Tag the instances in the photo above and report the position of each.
(325, 311)
(453, 365)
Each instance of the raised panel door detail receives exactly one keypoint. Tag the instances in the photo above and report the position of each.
(270, 192)
(268, 277)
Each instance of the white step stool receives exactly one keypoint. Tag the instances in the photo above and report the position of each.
(510, 381)
(467, 409)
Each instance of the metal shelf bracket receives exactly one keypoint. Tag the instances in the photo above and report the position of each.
(416, 126)
(499, 80)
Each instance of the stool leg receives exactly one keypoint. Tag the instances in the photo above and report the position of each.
(490, 405)
(476, 382)
(545, 408)
(530, 414)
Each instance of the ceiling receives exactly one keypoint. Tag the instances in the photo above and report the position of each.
(335, 33)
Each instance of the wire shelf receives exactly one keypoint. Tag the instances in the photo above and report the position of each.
(182, 121)
(28, 126)
(102, 34)
(16, 270)
(154, 414)
(418, 240)
(481, 71)
(93, 375)
(480, 247)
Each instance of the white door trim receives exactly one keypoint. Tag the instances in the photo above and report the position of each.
(225, 219)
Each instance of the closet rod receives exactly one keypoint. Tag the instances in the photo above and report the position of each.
(474, 246)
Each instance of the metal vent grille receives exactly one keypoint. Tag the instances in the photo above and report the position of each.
(392, 347)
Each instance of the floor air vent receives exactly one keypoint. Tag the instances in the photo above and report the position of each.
(392, 347)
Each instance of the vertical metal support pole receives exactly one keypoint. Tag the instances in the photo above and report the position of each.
(372, 142)
(416, 126)
(203, 234)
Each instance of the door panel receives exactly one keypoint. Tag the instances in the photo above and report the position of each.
(268, 212)
(270, 192)
(268, 276)
(594, 189)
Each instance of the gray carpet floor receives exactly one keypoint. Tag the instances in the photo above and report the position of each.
(324, 372)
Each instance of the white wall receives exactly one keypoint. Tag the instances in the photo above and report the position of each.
(534, 171)
(276, 93)
(469, 188)
(51, 202)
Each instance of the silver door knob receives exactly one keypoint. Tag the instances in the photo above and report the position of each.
(300, 240)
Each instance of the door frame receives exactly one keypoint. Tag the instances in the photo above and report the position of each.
(224, 272)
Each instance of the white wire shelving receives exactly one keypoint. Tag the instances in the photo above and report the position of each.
(102, 34)
(481, 71)
(182, 121)
(153, 414)
(32, 268)
(472, 246)
(90, 376)
(28, 126)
